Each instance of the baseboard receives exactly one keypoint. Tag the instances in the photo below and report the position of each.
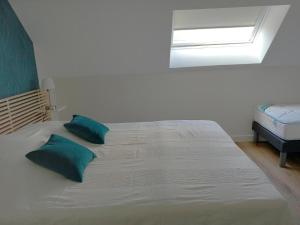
(242, 138)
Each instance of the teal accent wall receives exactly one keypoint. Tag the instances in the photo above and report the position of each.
(18, 71)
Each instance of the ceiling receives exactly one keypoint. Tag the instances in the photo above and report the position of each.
(108, 37)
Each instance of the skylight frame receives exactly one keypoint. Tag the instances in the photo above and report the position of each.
(267, 24)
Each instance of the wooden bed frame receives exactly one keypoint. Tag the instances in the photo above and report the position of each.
(23, 109)
(284, 146)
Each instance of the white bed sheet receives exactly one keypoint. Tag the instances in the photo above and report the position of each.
(168, 172)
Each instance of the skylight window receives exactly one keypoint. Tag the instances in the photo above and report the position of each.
(213, 36)
(224, 36)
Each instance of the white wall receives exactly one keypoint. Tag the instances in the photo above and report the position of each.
(226, 95)
(110, 60)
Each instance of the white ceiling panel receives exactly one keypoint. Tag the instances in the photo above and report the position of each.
(219, 17)
(109, 37)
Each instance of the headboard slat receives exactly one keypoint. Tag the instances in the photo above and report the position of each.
(4, 112)
(19, 95)
(5, 131)
(27, 104)
(6, 120)
(23, 109)
(23, 98)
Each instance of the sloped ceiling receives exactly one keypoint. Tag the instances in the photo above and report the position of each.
(107, 37)
(217, 17)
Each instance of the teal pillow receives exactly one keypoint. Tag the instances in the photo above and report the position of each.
(88, 129)
(63, 156)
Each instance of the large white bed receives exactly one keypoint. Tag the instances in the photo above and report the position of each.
(168, 172)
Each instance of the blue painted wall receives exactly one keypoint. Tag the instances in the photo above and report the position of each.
(18, 71)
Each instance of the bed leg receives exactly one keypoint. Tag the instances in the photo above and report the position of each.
(282, 160)
(256, 137)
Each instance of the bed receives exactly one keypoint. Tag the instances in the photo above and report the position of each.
(169, 172)
(279, 125)
(150, 173)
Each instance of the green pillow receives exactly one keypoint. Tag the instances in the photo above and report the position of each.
(63, 156)
(88, 129)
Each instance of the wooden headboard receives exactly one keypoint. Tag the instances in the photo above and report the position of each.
(20, 110)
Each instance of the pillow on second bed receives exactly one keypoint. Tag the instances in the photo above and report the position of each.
(88, 129)
(63, 156)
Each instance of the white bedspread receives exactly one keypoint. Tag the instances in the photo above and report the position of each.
(169, 172)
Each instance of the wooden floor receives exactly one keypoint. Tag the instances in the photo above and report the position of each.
(286, 180)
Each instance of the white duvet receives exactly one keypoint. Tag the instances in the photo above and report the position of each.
(153, 173)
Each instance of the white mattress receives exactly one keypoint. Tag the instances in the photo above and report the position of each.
(286, 131)
(284, 113)
(170, 172)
